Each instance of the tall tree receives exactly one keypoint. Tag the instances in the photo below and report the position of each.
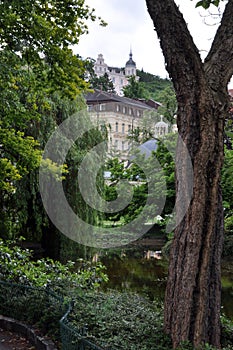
(41, 82)
(102, 83)
(193, 294)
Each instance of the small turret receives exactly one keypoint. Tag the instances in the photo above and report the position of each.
(130, 66)
(161, 128)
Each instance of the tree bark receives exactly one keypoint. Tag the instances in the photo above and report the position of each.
(193, 293)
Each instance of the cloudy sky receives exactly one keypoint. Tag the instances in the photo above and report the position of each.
(129, 25)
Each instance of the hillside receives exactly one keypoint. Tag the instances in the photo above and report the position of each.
(153, 84)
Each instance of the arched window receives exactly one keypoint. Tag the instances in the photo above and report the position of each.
(116, 126)
(123, 128)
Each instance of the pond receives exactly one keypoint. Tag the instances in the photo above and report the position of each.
(141, 269)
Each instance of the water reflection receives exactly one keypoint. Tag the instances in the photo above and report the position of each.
(144, 271)
(140, 271)
(156, 254)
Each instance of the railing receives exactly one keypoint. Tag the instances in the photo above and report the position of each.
(43, 307)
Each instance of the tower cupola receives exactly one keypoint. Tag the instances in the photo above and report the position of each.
(130, 66)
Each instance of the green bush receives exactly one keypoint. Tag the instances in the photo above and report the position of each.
(18, 266)
(121, 321)
(128, 321)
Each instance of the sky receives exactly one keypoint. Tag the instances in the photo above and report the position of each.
(130, 26)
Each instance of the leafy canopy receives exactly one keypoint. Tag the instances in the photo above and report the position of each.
(41, 32)
(134, 89)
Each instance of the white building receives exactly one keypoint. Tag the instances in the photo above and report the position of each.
(119, 76)
(120, 115)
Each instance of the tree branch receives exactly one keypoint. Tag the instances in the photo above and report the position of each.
(181, 55)
(219, 62)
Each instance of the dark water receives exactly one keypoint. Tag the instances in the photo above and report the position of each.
(140, 270)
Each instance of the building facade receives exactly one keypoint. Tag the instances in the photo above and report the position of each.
(119, 76)
(119, 116)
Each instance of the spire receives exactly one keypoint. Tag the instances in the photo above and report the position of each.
(130, 53)
(130, 62)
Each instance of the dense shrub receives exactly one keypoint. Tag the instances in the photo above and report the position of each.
(18, 266)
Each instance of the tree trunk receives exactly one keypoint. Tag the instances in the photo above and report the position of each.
(193, 293)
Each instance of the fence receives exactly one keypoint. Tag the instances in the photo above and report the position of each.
(43, 307)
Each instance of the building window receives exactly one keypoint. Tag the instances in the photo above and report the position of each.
(123, 145)
(118, 108)
(113, 80)
(124, 110)
(121, 81)
(100, 69)
(116, 126)
(129, 128)
(130, 111)
(116, 144)
(123, 128)
(102, 107)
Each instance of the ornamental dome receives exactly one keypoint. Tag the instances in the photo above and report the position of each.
(130, 62)
(161, 128)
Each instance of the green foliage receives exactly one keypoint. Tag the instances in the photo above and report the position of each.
(102, 83)
(169, 104)
(50, 168)
(206, 3)
(41, 82)
(119, 172)
(42, 306)
(166, 161)
(19, 152)
(18, 266)
(20, 155)
(43, 29)
(163, 173)
(117, 320)
(227, 190)
(121, 321)
(152, 84)
(125, 321)
(227, 181)
(227, 332)
(134, 89)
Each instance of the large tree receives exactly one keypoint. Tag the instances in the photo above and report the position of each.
(41, 82)
(193, 294)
